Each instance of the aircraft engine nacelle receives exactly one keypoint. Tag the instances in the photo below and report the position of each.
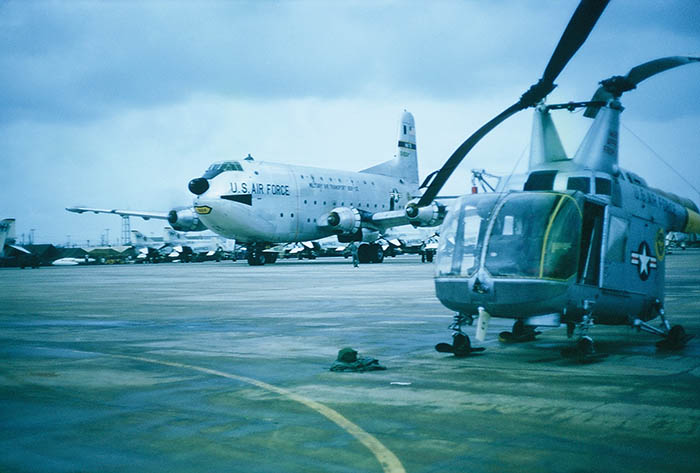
(185, 220)
(428, 216)
(344, 220)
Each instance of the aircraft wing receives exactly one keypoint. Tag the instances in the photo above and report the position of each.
(391, 218)
(123, 213)
(19, 248)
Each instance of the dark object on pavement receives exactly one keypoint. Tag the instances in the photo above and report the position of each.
(348, 361)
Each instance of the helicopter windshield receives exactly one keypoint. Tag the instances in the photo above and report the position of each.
(526, 235)
(462, 234)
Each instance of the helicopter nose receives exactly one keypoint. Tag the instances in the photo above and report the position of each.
(198, 186)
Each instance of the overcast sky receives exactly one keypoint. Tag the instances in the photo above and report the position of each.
(119, 104)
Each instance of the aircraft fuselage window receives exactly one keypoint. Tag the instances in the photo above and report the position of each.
(617, 239)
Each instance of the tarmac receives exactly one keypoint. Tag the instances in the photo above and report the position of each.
(222, 367)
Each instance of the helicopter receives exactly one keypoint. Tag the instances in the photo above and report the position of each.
(578, 241)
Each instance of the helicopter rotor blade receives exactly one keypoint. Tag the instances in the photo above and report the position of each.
(580, 26)
(615, 86)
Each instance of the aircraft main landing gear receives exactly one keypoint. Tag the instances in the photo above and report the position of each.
(370, 253)
(256, 257)
(584, 349)
(461, 345)
(674, 338)
(519, 333)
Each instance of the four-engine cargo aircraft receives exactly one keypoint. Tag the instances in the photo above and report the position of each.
(581, 242)
(261, 204)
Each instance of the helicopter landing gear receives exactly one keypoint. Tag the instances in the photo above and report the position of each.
(584, 349)
(674, 338)
(461, 345)
(519, 333)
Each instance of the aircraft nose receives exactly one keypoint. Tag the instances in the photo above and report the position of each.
(198, 186)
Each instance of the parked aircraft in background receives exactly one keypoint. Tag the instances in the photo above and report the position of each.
(413, 240)
(175, 246)
(12, 254)
(682, 240)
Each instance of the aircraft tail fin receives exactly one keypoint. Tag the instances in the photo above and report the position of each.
(138, 237)
(405, 164)
(7, 232)
(171, 235)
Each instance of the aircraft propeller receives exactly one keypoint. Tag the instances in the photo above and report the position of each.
(615, 86)
(576, 32)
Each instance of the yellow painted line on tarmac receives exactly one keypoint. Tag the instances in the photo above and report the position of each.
(389, 462)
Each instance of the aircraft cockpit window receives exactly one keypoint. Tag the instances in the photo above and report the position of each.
(217, 168)
(540, 181)
(582, 184)
(603, 186)
(534, 235)
(462, 234)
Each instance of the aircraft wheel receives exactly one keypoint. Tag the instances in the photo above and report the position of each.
(461, 345)
(377, 254)
(270, 257)
(518, 329)
(585, 346)
(676, 338)
(364, 254)
(429, 256)
(256, 258)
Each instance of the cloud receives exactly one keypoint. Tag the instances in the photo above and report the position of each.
(80, 60)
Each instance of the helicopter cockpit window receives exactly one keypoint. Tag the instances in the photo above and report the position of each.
(217, 168)
(462, 234)
(603, 186)
(534, 235)
(582, 184)
(540, 181)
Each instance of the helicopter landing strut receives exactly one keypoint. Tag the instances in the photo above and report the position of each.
(461, 345)
(674, 338)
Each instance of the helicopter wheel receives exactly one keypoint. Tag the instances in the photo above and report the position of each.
(461, 346)
(519, 333)
(675, 340)
(585, 347)
(583, 351)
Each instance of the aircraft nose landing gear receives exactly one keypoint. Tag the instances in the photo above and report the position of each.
(461, 345)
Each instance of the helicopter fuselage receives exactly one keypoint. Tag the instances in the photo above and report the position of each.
(573, 243)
